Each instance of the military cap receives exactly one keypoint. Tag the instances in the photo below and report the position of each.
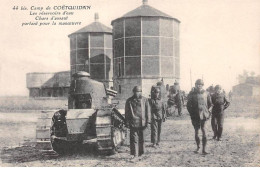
(218, 87)
(137, 89)
(199, 82)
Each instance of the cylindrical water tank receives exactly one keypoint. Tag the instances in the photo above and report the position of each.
(146, 49)
(91, 51)
(146, 44)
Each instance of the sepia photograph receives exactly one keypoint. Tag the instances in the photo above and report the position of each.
(130, 83)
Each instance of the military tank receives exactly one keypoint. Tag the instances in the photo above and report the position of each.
(90, 119)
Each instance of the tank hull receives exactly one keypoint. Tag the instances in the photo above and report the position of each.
(102, 128)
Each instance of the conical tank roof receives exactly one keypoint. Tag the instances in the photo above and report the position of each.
(145, 10)
(94, 27)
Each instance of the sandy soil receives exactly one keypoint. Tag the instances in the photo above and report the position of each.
(15, 128)
(239, 147)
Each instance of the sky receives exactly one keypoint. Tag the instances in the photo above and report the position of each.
(218, 39)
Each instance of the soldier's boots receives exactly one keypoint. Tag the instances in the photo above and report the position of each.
(155, 145)
(220, 130)
(134, 158)
(204, 143)
(197, 139)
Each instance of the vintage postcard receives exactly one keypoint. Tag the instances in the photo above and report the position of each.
(130, 83)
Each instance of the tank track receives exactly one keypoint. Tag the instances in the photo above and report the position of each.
(43, 142)
(110, 131)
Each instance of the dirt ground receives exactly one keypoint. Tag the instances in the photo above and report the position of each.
(239, 147)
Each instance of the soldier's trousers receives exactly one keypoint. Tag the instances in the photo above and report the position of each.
(179, 110)
(156, 127)
(136, 141)
(217, 122)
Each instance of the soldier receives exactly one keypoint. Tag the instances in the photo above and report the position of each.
(198, 105)
(137, 114)
(158, 115)
(220, 103)
(178, 98)
(180, 101)
(210, 89)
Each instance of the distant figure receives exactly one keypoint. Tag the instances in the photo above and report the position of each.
(211, 90)
(180, 102)
(230, 96)
(175, 100)
(158, 115)
(220, 103)
(198, 105)
(137, 114)
(171, 104)
(179, 99)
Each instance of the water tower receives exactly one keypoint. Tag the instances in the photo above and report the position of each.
(146, 50)
(91, 51)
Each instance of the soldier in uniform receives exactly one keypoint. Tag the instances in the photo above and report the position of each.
(180, 101)
(158, 115)
(211, 90)
(198, 105)
(137, 114)
(220, 103)
(178, 98)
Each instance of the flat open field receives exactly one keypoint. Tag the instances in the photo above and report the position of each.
(22, 103)
(240, 145)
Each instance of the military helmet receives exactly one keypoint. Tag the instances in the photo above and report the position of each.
(137, 89)
(156, 90)
(218, 87)
(176, 83)
(159, 83)
(199, 82)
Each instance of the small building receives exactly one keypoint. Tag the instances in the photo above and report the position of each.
(48, 84)
(251, 87)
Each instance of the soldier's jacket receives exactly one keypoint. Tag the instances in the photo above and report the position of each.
(172, 100)
(179, 98)
(175, 99)
(158, 109)
(220, 102)
(198, 104)
(137, 112)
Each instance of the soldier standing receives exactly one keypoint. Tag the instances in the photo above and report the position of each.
(158, 115)
(137, 114)
(198, 105)
(220, 103)
(176, 99)
(179, 102)
(210, 89)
